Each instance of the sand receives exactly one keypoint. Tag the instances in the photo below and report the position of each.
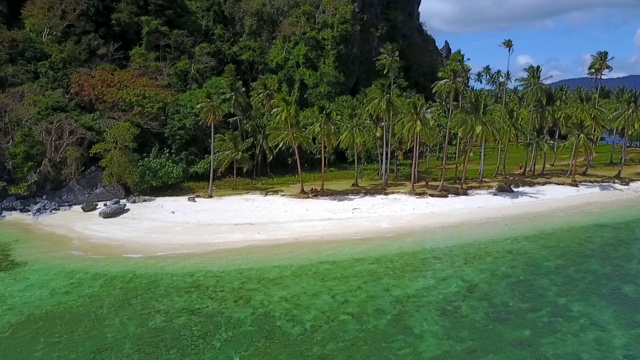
(238, 221)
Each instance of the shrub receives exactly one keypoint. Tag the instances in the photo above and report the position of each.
(159, 171)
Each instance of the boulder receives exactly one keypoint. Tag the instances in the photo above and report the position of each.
(89, 206)
(7, 207)
(22, 206)
(112, 211)
(139, 199)
(114, 202)
(503, 188)
(191, 199)
(108, 193)
(10, 200)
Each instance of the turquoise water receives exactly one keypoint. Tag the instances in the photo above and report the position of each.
(570, 291)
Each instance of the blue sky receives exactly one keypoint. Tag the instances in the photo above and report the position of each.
(558, 35)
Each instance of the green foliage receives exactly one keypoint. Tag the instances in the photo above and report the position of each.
(159, 171)
(26, 155)
(118, 159)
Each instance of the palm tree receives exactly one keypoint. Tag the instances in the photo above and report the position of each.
(557, 102)
(413, 124)
(388, 62)
(324, 129)
(451, 85)
(235, 96)
(262, 96)
(348, 111)
(598, 67)
(582, 111)
(231, 150)
(286, 131)
(475, 125)
(212, 111)
(627, 115)
(533, 89)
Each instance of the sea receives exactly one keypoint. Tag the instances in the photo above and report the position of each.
(562, 285)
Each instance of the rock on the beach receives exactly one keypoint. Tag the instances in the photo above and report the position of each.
(88, 207)
(503, 188)
(139, 199)
(112, 211)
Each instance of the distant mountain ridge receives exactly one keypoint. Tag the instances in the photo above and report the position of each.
(630, 81)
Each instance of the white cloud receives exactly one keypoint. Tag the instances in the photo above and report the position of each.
(466, 15)
(636, 38)
(524, 60)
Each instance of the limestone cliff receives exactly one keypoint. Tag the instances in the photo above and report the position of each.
(396, 21)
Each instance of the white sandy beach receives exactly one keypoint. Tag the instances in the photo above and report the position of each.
(238, 221)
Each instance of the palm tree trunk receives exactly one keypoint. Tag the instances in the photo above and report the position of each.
(588, 158)
(417, 157)
(235, 177)
(495, 173)
(426, 157)
(413, 163)
(504, 160)
(466, 162)
(210, 192)
(533, 160)
(384, 156)
(572, 162)
(455, 173)
(295, 149)
(395, 170)
(388, 170)
(624, 151)
(544, 163)
(613, 146)
(481, 173)
(526, 162)
(322, 168)
(355, 155)
(446, 142)
(555, 147)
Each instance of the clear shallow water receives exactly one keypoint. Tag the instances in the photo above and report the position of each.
(571, 291)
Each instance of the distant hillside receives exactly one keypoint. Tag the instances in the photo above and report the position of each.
(631, 81)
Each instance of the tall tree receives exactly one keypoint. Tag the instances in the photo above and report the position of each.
(627, 115)
(414, 122)
(286, 130)
(388, 62)
(212, 110)
(231, 150)
(451, 84)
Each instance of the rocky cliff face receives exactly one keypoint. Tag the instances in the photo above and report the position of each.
(396, 21)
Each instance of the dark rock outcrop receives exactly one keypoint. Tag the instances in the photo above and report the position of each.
(42, 206)
(397, 22)
(446, 51)
(89, 188)
(4, 193)
(112, 211)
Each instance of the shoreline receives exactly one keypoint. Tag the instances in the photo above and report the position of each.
(172, 225)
